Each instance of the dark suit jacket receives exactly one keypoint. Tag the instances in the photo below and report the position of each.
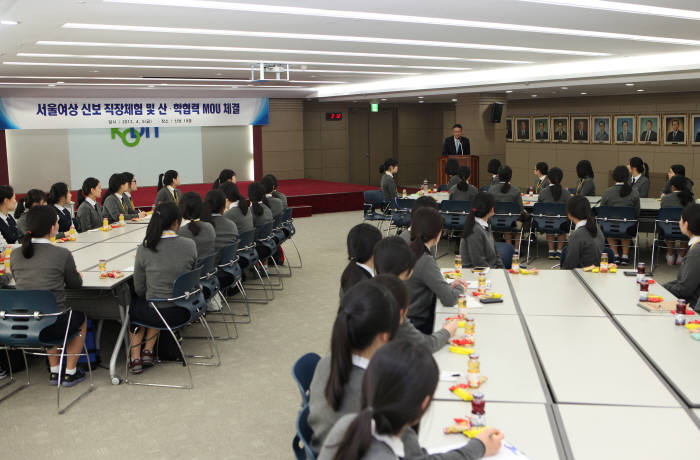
(697, 137)
(580, 135)
(448, 147)
(652, 137)
(542, 135)
(560, 136)
(679, 137)
(10, 233)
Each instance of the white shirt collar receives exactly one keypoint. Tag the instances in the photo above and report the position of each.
(392, 441)
(543, 177)
(360, 361)
(269, 195)
(693, 240)
(127, 194)
(3, 217)
(40, 240)
(170, 187)
(215, 214)
(388, 173)
(636, 177)
(233, 205)
(581, 223)
(619, 183)
(481, 222)
(168, 234)
(90, 201)
(118, 195)
(367, 269)
(59, 207)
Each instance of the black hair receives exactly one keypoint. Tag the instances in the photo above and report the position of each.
(424, 202)
(163, 218)
(456, 125)
(273, 179)
(214, 203)
(224, 176)
(88, 184)
(115, 182)
(622, 174)
(399, 377)
(542, 167)
(267, 184)
(57, 191)
(584, 170)
(482, 205)
(493, 166)
(392, 255)
(167, 179)
(678, 169)
(390, 162)
(639, 165)
(40, 219)
(680, 183)
(579, 207)
(366, 310)
(505, 174)
(451, 166)
(426, 224)
(34, 196)
(464, 173)
(6, 193)
(691, 214)
(191, 208)
(233, 194)
(555, 176)
(361, 240)
(256, 195)
(128, 176)
(396, 287)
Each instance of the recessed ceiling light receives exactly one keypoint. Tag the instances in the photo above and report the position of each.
(383, 99)
(7, 22)
(51, 85)
(508, 91)
(583, 94)
(454, 99)
(420, 97)
(420, 102)
(60, 82)
(640, 90)
(533, 95)
(151, 86)
(629, 84)
(564, 88)
(621, 7)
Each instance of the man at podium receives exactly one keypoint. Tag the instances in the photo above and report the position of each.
(456, 144)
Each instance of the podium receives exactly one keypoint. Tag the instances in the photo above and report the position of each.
(464, 160)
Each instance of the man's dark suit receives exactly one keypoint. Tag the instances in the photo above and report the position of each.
(580, 135)
(678, 136)
(560, 136)
(449, 147)
(541, 135)
(697, 137)
(648, 136)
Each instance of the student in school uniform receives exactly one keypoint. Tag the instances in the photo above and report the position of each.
(393, 256)
(89, 210)
(639, 176)
(397, 389)
(421, 202)
(8, 204)
(541, 181)
(362, 239)
(452, 170)
(367, 319)
(237, 208)
(226, 175)
(687, 283)
(60, 198)
(388, 184)
(503, 191)
(198, 230)
(161, 258)
(34, 197)
(167, 187)
(677, 170)
(477, 246)
(493, 166)
(427, 283)
(113, 202)
(621, 194)
(275, 204)
(42, 265)
(463, 190)
(127, 198)
(214, 207)
(262, 215)
(276, 193)
(586, 240)
(679, 197)
(555, 193)
(585, 186)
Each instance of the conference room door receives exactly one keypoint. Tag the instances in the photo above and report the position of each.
(372, 140)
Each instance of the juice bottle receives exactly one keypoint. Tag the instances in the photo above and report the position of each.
(604, 262)
(680, 312)
(482, 283)
(462, 305)
(644, 290)
(515, 265)
(478, 417)
(8, 253)
(72, 234)
(458, 264)
(121, 220)
(105, 224)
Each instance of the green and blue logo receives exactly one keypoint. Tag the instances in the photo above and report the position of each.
(131, 137)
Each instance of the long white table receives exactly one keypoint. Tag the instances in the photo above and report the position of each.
(499, 284)
(90, 256)
(555, 293)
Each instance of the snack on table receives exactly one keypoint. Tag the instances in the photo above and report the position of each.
(462, 392)
(461, 350)
(452, 274)
(461, 425)
(525, 271)
(463, 342)
(111, 274)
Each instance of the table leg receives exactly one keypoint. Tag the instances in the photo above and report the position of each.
(116, 380)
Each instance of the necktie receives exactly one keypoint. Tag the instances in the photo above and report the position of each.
(634, 180)
(457, 146)
(96, 207)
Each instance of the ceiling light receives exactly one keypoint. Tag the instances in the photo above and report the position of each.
(151, 86)
(7, 22)
(35, 77)
(564, 88)
(583, 94)
(508, 91)
(332, 38)
(629, 84)
(454, 99)
(420, 102)
(51, 85)
(420, 97)
(533, 95)
(383, 99)
(621, 7)
(640, 90)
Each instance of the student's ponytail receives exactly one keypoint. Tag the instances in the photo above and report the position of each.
(680, 183)
(58, 191)
(115, 183)
(191, 209)
(579, 207)
(256, 194)
(21, 206)
(40, 220)
(224, 176)
(483, 204)
(361, 241)
(88, 184)
(214, 203)
(34, 196)
(426, 224)
(464, 172)
(555, 176)
(639, 165)
(392, 255)
(167, 179)
(163, 218)
(505, 174)
(358, 437)
(622, 174)
(233, 194)
(388, 163)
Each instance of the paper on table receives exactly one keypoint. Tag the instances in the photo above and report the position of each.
(449, 376)
(475, 284)
(507, 451)
(128, 269)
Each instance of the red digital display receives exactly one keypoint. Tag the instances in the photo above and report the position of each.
(334, 116)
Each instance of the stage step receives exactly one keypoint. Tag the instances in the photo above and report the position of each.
(302, 211)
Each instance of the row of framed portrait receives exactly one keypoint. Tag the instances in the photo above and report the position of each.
(606, 129)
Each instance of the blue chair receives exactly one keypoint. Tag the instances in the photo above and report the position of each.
(505, 251)
(375, 206)
(484, 188)
(454, 214)
(248, 258)
(505, 219)
(301, 445)
(266, 247)
(666, 228)
(23, 315)
(232, 274)
(619, 222)
(564, 250)
(401, 213)
(547, 218)
(443, 188)
(303, 371)
(289, 230)
(187, 293)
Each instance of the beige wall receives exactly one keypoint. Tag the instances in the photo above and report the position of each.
(326, 149)
(227, 147)
(283, 139)
(522, 156)
(36, 158)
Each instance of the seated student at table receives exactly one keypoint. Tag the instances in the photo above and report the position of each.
(127, 199)
(463, 190)
(397, 389)
(503, 191)
(367, 319)
(421, 202)
(60, 197)
(113, 202)
(621, 194)
(676, 170)
(679, 197)
(477, 246)
(226, 175)
(42, 265)
(262, 215)
(198, 230)
(161, 258)
(585, 186)
(362, 239)
(388, 184)
(89, 210)
(493, 166)
(541, 181)
(8, 204)
(237, 208)
(452, 170)
(555, 193)
(276, 193)
(34, 197)
(586, 240)
(427, 283)
(275, 204)
(212, 212)
(639, 180)
(167, 187)
(392, 255)
(687, 283)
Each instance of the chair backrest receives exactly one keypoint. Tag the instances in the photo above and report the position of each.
(227, 254)
(208, 265)
(564, 250)
(549, 217)
(505, 217)
(287, 215)
(245, 239)
(443, 188)
(303, 372)
(263, 231)
(484, 188)
(374, 197)
(304, 433)
(454, 213)
(505, 251)
(668, 224)
(277, 220)
(617, 221)
(188, 282)
(24, 331)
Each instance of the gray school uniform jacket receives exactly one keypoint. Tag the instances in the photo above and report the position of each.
(244, 223)
(454, 180)
(112, 207)
(276, 206)
(21, 223)
(89, 216)
(540, 185)
(463, 195)
(585, 187)
(51, 267)
(546, 196)
(388, 186)
(583, 249)
(494, 180)
(225, 229)
(611, 197)
(641, 186)
(667, 186)
(156, 271)
(264, 218)
(129, 205)
(670, 200)
(281, 196)
(204, 241)
(164, 195)
(479, 249)
(687, 283)
(378, 450)
(434, 341)
(511, 196)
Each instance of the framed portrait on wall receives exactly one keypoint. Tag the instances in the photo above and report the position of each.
(522, 129)
(560, 129)
(674, 129)
(509, 129)
(540, 125)
(624, 129)
(695, 125)
(648, 129)
(601, 129)
(580, 128)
